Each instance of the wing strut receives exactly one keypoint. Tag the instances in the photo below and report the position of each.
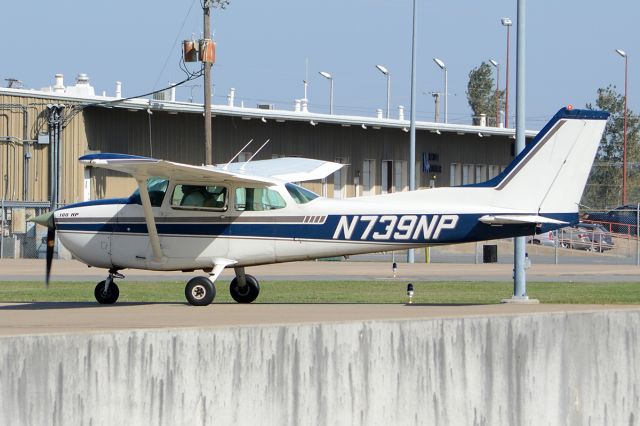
(149, 219)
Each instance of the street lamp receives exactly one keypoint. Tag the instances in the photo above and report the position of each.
(497, 66)
(446, 87)
(386, 72)
(507, 23)
(330, 78)
(624, 149)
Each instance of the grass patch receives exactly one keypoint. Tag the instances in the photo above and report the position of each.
(448, 292)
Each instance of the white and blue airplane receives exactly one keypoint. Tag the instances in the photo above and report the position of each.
(185, 217)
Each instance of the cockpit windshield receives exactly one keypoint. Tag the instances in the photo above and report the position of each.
(157, 188)
(299, 194)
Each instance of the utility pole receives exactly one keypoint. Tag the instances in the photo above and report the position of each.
(208, 140)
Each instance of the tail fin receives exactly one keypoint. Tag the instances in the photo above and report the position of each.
(557, 161)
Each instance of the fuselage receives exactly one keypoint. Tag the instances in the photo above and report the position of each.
(274, 224)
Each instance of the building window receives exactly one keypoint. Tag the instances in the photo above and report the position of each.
(493, 171)
(368, 176)
(454, 176)
(400, 176)
(467, 174)
(481, 173)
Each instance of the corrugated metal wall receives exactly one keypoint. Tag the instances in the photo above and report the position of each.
(21, 119)
(179, 137)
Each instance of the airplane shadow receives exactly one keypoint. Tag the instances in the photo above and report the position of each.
(446, 304)
(38, 306)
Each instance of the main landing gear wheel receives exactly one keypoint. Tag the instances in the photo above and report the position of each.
(247, 294)
(200, 291)
(110, 296)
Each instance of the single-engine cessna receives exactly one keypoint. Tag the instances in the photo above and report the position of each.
(185, 217)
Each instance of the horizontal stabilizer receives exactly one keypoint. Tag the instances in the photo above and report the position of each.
(519, 220)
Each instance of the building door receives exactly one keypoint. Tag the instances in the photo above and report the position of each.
(368, 177)
(340, 181)
(87, 184)
(386, 184)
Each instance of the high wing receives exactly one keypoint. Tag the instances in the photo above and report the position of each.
(262, 171)
(151, 167)
(286, 169)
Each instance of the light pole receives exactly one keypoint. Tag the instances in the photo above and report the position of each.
(624, 133)
(412, 117)
(386, 72)
(446, 87)
(507, 23)
(330, 78)
(497, 66)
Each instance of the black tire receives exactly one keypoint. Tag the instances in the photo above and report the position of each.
(108, 298)
(200, 291)
(247, 294)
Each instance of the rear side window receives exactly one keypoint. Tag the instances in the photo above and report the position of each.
(199, 197)
(258, 199)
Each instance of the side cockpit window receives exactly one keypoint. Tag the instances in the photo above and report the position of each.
(157, 188)
(199, 197)
(258, 199)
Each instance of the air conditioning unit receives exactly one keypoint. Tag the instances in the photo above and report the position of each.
(265, 106)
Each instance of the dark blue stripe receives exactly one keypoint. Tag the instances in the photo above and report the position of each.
(467, 229)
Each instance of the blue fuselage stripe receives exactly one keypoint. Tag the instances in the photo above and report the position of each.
(376, 228)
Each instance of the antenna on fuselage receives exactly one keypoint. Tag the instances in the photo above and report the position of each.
(254, 154)
(236, 156)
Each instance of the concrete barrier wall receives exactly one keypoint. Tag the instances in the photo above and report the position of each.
(558, 369)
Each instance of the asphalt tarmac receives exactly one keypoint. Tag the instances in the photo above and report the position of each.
(89, 317)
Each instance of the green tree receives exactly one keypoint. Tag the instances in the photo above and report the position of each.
(482, 95)
(604, 187)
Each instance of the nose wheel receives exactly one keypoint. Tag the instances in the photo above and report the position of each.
(107, 291)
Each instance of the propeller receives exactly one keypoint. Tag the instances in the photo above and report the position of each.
(48, 221)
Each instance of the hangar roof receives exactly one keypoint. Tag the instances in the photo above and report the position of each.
(267, 114)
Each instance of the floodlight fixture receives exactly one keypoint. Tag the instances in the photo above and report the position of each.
(383, 69)
(440, 63)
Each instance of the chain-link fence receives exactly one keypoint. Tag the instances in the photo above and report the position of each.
(19, 237)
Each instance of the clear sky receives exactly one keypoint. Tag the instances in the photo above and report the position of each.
(262, 47)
